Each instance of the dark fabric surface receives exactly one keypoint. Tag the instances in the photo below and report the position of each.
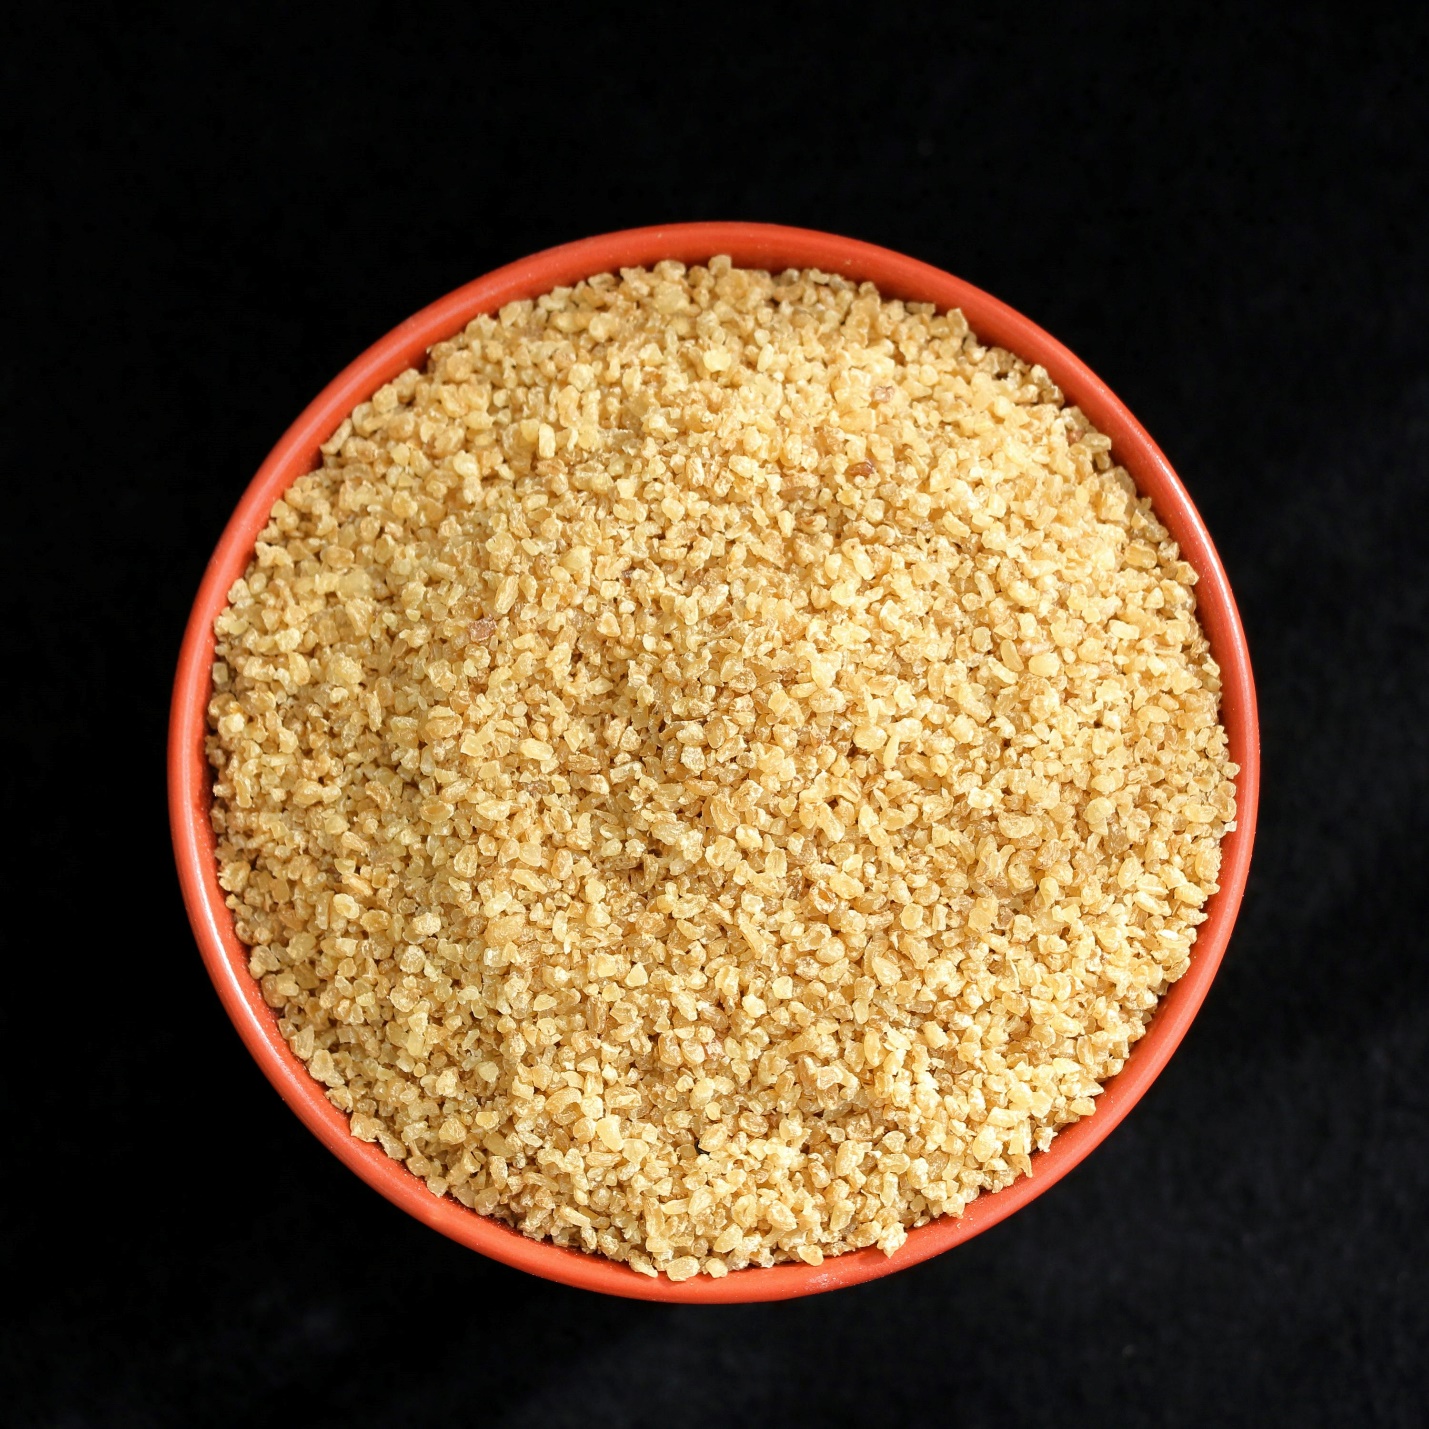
(210, 216)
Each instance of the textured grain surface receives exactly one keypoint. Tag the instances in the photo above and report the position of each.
(717, 768)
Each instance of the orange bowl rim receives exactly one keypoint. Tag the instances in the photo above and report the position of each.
(775, 248)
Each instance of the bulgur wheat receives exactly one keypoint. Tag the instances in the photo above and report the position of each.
(716, 768)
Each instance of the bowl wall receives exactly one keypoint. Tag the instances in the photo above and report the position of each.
(749, 245)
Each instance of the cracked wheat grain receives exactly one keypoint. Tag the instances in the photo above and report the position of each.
(717, 768)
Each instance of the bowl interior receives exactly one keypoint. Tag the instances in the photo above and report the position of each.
(749, 245)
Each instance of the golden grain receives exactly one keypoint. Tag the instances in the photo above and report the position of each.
(716, 768)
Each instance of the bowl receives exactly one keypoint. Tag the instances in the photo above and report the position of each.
(750, 245)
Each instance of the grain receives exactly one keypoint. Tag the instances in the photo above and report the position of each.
(716, 768)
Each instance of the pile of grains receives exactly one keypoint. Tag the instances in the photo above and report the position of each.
(716, 768)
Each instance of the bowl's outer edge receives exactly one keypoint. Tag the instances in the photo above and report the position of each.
(751, 245)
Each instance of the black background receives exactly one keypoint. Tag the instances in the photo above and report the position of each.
(214, 212)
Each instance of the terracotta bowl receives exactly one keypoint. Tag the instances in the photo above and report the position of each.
(750, 245)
